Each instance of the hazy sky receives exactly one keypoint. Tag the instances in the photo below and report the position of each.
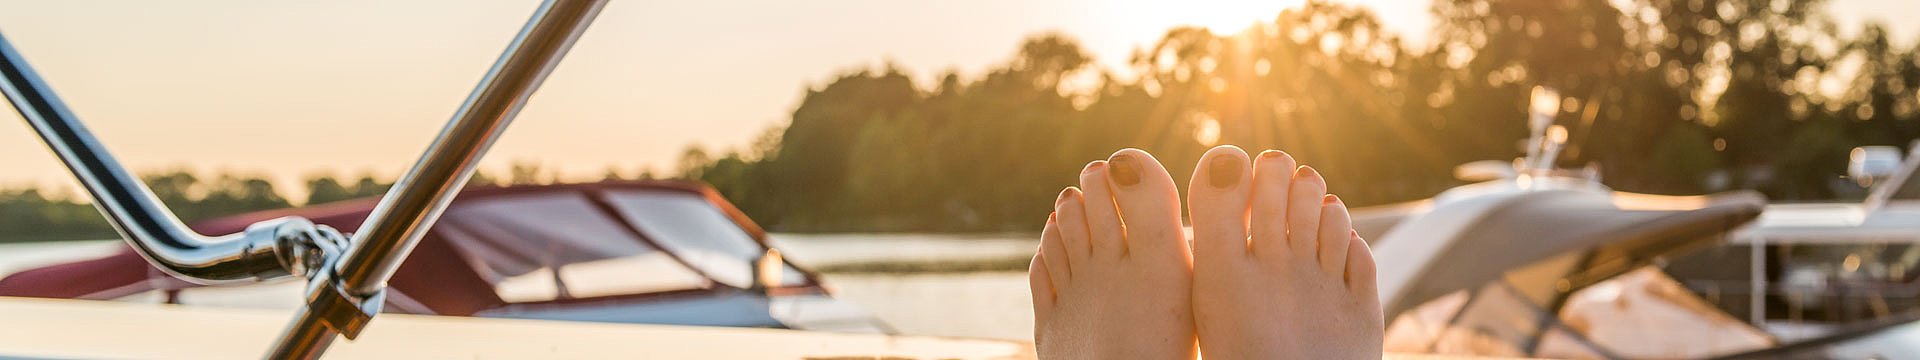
(289, 88)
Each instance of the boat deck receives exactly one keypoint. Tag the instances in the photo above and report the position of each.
(81, 329)
(67, 329)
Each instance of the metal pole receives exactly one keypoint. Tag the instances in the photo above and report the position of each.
(128, 205)
(1757, 277)
(418, 197)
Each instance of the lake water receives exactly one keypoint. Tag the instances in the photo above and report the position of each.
(981, 305)
(994, 305)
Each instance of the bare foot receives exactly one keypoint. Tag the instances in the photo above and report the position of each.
(1301, 286)
(1104, 290)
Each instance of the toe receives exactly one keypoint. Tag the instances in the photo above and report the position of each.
(1332, 247)
(1042, 286)
(1054, 248)
(1104, 234)
(1217, 201)
(1360, 268)
(1070, 211)
(1148, 201)
(1303, 211)
(1272, 180)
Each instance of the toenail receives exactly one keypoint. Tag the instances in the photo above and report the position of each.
(1224, 171)
(1095, 165)
(1062, 199)
(1271, 154)
(1305, 171)
(1330, 200)
(1126, 170)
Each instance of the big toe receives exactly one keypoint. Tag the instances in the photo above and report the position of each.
(1148, 203)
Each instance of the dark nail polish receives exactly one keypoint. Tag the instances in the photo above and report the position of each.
(1095, 165)
(1305, 172)
(1223, 171)
(1125, 170)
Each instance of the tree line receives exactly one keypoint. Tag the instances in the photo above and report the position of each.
(30, 214)
(1666, 96)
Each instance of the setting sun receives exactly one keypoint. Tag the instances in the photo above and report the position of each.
(1150, 17)
(1232, 16)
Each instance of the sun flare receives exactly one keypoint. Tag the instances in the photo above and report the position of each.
(1233, 16)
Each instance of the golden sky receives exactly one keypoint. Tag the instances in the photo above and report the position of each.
(289, 88)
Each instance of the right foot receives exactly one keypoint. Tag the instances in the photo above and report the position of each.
(1279, 272)
(1112, 279)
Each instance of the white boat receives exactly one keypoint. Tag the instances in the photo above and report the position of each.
(643, 252)
(1546, 262)
(732, 278)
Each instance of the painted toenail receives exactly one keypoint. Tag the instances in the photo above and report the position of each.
(1224, 171)
(1305, 171)
(1095, 165)
(1330, 200)
(1271, 154)
(1126, 170)
(1062, 199)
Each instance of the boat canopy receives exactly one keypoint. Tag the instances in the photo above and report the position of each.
(1465, 243)
(512, 246)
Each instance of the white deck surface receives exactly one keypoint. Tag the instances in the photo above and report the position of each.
(63, 329)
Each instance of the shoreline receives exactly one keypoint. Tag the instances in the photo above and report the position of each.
(889, 267)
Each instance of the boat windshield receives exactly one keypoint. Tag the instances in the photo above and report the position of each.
(706, 238)
(550, 246)
(1642, 314)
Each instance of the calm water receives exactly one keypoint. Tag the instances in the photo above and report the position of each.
(983, 305)
(828, 249)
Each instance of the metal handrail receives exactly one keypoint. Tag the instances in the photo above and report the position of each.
(345, 287)
(130, 206)
(341, 299)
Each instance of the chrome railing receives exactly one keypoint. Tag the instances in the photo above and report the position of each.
(346, 279)
(253, 255)
(340, 301)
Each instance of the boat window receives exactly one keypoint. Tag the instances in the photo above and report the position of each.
(1845, 283)
(542, 247)
(1642, 314)
(1807, 290)
(686, 224)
